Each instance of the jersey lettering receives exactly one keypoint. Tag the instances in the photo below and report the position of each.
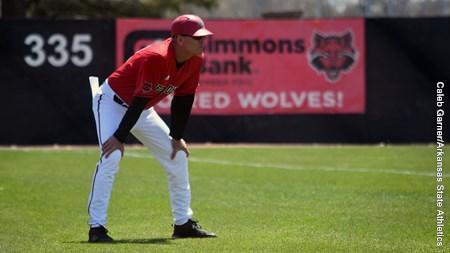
(164, 89)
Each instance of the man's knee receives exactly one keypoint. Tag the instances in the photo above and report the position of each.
(177, 167)
(113, 159)
(180, 159)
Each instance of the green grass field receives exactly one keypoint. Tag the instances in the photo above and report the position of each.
(257, 199)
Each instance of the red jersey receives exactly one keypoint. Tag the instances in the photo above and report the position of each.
(152, 73)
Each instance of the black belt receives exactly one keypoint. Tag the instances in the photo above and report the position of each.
(119, 101)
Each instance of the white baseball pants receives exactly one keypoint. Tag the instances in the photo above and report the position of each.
(151, 130)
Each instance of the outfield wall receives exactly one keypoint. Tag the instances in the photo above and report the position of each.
(46, 100)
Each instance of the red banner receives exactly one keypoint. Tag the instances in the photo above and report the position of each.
(269, 66)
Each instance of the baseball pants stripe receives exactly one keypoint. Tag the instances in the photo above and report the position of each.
(100, 160)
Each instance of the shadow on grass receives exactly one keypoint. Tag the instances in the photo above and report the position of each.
(132, 241)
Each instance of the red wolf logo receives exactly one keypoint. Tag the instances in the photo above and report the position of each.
(332, 54)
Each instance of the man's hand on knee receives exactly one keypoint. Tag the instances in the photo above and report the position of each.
(178, 145)
(111, 145)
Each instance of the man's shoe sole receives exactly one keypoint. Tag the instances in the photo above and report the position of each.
(101, 241)
(187, 237)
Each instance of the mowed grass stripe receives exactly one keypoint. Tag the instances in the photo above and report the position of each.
(296, 168)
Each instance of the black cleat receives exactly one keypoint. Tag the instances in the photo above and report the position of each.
(190, 229)
(99, 234)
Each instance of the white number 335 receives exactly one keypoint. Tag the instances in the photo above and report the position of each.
(80, 51)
